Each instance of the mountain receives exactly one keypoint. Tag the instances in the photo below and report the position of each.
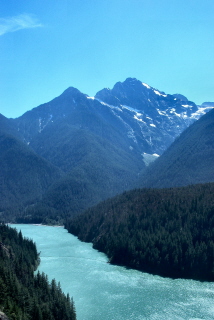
(208, 104)
(153, 119)
(189, 160)
(133, 114)
(59, 129)
(101, 145)
(98, 171)
(77, 135)
(8, 126)
(24, 176)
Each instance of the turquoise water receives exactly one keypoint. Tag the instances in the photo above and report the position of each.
(105, 292)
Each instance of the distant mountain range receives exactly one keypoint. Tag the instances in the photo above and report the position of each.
(77, 150)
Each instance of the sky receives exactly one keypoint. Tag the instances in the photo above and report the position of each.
(48, 46)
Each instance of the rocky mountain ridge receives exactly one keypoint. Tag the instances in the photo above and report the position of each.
(101, 145)
(149, 118)
(155, 116)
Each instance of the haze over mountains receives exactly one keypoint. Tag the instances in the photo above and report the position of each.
(84, 149)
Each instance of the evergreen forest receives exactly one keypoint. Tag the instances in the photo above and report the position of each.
(169, 232)
(188, 160)
(24, 295)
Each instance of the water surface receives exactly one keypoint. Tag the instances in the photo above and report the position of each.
(107, 292)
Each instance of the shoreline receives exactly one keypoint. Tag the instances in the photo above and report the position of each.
(36, 224)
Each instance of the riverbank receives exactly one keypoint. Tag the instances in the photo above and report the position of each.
(104, 291)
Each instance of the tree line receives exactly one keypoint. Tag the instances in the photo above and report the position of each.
(169, 232)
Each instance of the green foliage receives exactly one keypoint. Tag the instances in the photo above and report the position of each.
(168, 232)
(24, 295)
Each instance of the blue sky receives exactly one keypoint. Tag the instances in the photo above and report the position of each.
(47, 46)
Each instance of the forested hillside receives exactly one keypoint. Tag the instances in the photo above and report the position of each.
(74, 151)
(24, 176)
(23, 295)
(169, 232)
(94, 169)
(189, 160)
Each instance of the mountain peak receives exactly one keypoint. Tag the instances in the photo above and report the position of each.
(72, 90)
(208, 104)
(131, 81)
(180, 97)
(101, 146)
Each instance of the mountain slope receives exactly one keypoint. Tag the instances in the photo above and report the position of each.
(102, 144)
(189, 160)
(58, 140)
(99, 173)
(8, 126)
(24, 176)
(87, 143)
(134, 114)
(156, 118)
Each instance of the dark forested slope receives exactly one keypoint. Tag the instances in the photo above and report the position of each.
(94, 147)
(24, 176)
(95, 169)
(189, 160)
(87, 143)
(23, 295)
(169, 232)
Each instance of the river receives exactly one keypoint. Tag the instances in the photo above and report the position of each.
(105, 292)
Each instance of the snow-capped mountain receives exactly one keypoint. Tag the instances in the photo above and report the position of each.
(101, 144)
(148, 120)
(153, 119)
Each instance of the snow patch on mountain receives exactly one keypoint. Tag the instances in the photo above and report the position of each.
(129, 108)
(43, 123)
(152, 118)
(161, 112)
(159, 94)
(201, 111)
(186, 106)
(148, 158)
(108, 105)
(138, 119)
(146, 85)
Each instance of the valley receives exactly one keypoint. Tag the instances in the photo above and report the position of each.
(129, 171)
(102, 290)
(69, 154)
